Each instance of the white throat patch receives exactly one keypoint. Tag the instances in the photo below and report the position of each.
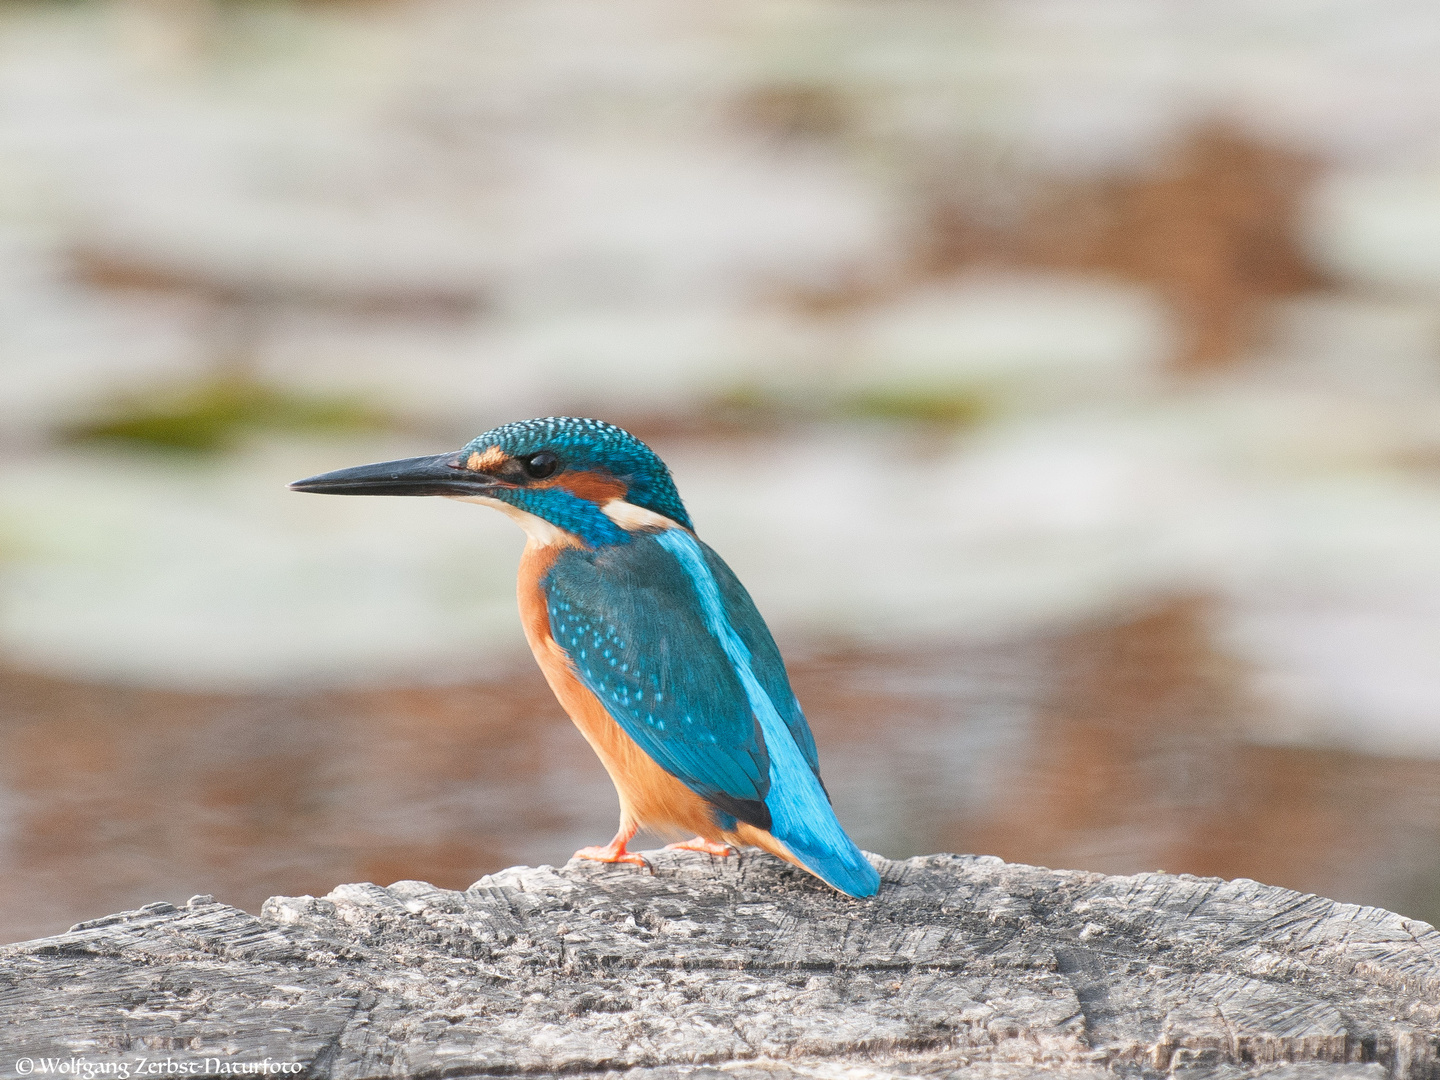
(540, 531)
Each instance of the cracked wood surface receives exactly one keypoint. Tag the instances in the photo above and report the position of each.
(745, 967)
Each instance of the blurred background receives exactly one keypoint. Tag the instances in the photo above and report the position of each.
(1061, 376)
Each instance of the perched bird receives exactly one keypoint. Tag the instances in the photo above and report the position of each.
(648, 639)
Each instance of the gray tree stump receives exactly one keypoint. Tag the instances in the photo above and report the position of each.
(744, 967)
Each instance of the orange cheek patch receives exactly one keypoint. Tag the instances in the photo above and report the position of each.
(594, 486)
(492, 458)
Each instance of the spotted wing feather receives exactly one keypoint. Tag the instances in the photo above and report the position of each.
(626, 616)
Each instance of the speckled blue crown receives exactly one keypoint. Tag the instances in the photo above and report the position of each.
(582, 443)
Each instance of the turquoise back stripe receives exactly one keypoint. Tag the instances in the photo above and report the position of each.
(799, 809)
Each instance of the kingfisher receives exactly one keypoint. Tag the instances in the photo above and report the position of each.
(648, 640)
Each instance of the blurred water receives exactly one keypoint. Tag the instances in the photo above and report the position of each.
(1113, 747)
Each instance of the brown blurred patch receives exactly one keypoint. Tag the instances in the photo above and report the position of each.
(1212, 227)
(794, 110)
(1138, 735)
(1139, 761)
(252, 294)
(118, 796)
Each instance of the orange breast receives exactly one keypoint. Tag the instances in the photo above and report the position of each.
(649, 796)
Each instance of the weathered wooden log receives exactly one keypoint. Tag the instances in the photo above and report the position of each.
(745, 965)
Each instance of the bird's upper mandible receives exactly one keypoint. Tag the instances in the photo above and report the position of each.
(588, 479)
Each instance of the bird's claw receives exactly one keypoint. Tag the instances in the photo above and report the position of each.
(705, 847)
(612, 853)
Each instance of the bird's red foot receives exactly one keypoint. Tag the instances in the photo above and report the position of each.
(612, 852)
(708, 847)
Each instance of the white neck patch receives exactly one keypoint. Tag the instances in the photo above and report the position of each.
(627, 515)
(631, 517)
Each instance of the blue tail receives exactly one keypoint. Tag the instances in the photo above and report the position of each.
(801, 817)
(835, 859)
(800, 812)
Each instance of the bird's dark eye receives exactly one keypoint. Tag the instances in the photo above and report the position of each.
(539, 466)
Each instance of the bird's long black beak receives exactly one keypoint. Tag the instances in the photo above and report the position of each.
(443, 474)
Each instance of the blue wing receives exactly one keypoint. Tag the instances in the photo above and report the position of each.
(627, 617)
(765, 658)
(665, 635)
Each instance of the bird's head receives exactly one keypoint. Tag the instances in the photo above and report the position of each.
(559, 476)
